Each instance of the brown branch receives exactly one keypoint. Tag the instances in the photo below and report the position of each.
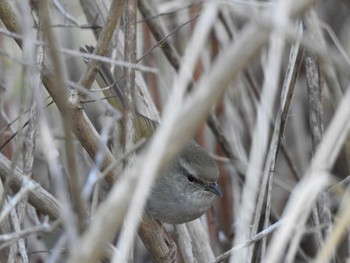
(129, 73)
(38, 197)
(95, 13)
(159, 243)
(102, 44)
(147, 10)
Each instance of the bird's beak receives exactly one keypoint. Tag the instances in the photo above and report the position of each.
(214, 189)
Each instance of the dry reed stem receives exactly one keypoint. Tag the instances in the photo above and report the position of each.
(237, 51)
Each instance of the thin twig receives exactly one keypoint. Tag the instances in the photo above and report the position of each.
(13, 237)
(249, 242)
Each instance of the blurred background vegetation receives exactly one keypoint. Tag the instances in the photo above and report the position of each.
(314, 74)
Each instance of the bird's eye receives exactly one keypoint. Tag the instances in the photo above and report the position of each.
(190, 178)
